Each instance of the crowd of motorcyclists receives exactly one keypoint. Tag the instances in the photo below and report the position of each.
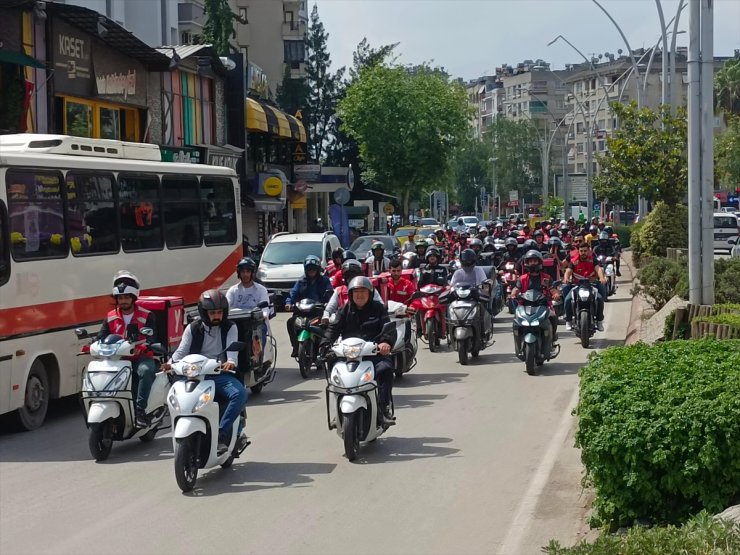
(350, 298)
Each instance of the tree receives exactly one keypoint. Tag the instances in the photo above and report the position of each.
(323, 87)
(407, 126)
(292, 93)
(727, 154)
(219, 26)
(727, 86)
(646, 157)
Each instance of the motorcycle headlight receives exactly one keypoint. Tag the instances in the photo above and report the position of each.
(352, 351)
(299, 321)
(119, 380)
(192, 370)
(463, 293)
(172, 400)
(204, 399)
(584, 294)
(108, 350)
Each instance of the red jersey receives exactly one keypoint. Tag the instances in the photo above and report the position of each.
(401, 290)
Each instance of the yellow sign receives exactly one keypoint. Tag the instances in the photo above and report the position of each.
(300, 202)
(273, 186)
(389, 209)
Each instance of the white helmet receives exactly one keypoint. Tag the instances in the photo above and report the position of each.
(125, 283)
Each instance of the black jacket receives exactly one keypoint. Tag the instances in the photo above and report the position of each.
(436, 275)
(366, 323)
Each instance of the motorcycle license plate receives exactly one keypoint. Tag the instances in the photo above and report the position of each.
(304, 335)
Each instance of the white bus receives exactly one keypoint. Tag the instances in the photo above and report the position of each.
(73, 211)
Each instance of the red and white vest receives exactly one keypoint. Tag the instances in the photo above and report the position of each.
(117, 325)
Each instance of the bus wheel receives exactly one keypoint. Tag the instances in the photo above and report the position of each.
(36, 400)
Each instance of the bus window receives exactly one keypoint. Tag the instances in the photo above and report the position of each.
(141, 213)
(181, 211)
(219, 211)
(35, 214)
(92, 226)
(4, 246)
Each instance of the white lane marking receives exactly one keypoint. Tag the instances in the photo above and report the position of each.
(525, 512)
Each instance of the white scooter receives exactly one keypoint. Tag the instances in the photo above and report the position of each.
(607, 262)
(352, 395)
(107, 395)
(405, 348)
(259, 369)
(195, 418)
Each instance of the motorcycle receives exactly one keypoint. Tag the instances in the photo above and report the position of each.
(107, 393)
(607, 263)
(431, 315)
(469, 324)
(533, 335)
(509, 277)
(405, 347)
(308, 314)
(352, 402)
(584, 311)
(195, 418)
(257, 364)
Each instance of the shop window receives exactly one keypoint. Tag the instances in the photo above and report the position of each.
(78, 119)
(181, 211)
(92, 224)
(35, 214)
(219, 211)
(140, 212)
(4, 246)
(110, 122)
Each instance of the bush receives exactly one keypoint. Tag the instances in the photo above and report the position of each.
(665, 227)
(699, 536)
(635, 244)
(659, 429)
(660, 280)
(727, 280)
(732, 320)
(624, 232)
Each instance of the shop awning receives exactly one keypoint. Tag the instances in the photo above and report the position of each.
(19, 59)
(263, 117)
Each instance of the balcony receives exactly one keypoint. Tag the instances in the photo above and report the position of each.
(297, 69)
(294, 30)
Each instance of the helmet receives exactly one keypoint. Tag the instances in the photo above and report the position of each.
(555, 241)
(432, 251)
(421, 243)
(476, 244)
(125, 283)
(603, 236)
(245, 264)
(513, 234)
(564, 227)
(337, 253)
(609, 229)
(360, 282)
(563, 222)
(593, 230)
(351, 269)
(554, 233)
(459, 221)
(468, 257)
(538, 233)
(377, 245)
(212, 299)
(440, 230)
(530, 244)
(312, 262)
(499, 224)
(533, 254)
(430, 242)
(511, 241)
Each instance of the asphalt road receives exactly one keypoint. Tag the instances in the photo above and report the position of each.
(481, 461)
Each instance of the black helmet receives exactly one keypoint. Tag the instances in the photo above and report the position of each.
(533, 254)
(212, 299)
(476, 244)
(337, 253)
(348, 255)
(593, 230)
(468, 257)
(554, 233)
(432, 251)
(609, 229)
(555, 241)
(530, 244)
(245, 264)
(360, 282)
(460, 221)
(511, 241)
(538, 233)
(350, 270)
(603, 236)
(312, 262)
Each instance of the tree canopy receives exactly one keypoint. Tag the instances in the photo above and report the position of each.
(219, 25)
(646, 157)
(407, 126)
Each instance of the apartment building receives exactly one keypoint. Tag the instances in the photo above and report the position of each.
(272, 36)
(485, 95)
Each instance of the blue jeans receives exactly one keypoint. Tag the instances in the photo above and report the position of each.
(230, 388)
(145, 371)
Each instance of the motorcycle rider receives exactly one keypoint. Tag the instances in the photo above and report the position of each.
(337, 258)
(421, 246)
(209, 336)
(614, 242)
(127, 316)
(584, 267)
(350, 270)
(432, 272)
(365, 317)
(400, 289)
(337, 279)
(313, 285)
(247, 294)
(461, 227)
(534, 278)
(469, 274)
(539, 239)
(377, 263)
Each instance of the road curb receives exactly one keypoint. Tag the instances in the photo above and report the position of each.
(637, 307)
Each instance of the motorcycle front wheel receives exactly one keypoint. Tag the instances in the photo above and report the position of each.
(351, 435)
(99, 441)
(584, 328)
(304, 359)
(432, 335)
(529, 357)
(186, 466)
(462, 351)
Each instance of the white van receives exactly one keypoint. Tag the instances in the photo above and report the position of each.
(725, 228)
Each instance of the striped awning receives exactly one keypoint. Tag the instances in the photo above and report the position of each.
(256, 117)
(263, 117)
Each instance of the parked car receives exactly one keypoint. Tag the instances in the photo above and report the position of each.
(281, 264)
(361, 245)
(428, 222)
(725, 228)
(735, 244)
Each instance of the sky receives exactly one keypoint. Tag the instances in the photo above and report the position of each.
(470, 38)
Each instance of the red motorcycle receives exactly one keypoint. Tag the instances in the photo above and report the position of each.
(509, 276)
(431, 321)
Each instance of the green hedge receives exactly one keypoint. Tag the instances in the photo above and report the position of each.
(732, 320)
(660, 280)
(727, 280)
(659, 429)
(624, 232)
(665, 226)
(702, 535)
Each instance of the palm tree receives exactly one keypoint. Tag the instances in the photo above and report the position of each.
(727, 86)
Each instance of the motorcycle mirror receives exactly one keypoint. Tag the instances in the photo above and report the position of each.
(81, 333)
(146, 331)
(157, 348)
(236, 346)
(263, 304)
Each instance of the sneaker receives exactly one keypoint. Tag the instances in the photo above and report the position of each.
(600, 326)
(388, 418)
(140, 419)
(294, 353)
(242, 443)
(222, 448)
(619, 274)
(568, 326)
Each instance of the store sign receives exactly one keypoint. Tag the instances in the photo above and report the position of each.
(307, 172)
(273, 186)
(257, 80)
(223, 160)
(71, 59)
(183, 154)
(123, 84)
